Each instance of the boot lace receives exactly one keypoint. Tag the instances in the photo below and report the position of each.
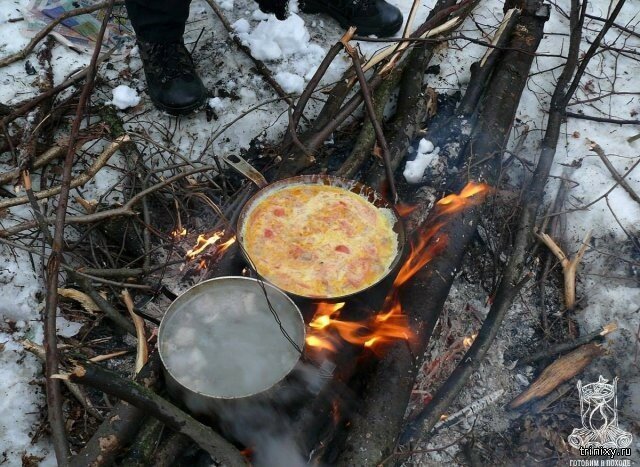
(361, 7)
(171, 60)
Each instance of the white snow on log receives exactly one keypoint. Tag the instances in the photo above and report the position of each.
(427, 156)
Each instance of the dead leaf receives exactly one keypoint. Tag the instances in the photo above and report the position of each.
(431, 102)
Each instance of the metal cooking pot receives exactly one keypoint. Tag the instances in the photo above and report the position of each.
(364, 191)
(221, 345)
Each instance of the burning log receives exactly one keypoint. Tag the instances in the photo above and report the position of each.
(372, 435)
(513, 273)
(560, 371)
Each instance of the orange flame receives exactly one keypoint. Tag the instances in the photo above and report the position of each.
(405, 209)
(205, 241)
(391, 323)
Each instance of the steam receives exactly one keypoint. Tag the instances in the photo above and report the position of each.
(265, 423)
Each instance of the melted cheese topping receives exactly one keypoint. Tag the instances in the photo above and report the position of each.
(319, 241)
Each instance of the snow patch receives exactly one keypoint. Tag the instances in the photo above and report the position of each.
(290, 82)
(124, 97)
(241, 26)
(273, 39)
(427, 157)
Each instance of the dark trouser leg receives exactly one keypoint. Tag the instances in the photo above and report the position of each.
(160, 21)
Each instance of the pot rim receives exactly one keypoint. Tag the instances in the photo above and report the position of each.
(171, 310)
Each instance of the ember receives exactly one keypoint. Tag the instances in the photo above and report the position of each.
(179, 232)
(391, 323)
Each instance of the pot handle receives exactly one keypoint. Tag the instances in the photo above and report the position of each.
(241, 166)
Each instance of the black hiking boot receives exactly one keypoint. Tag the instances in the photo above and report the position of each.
(172, 81)
(375, 17)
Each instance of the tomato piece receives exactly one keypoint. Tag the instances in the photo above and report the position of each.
(268, 233)
(343, 249)
(278, 212)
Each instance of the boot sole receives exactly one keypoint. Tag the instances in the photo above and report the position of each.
(313, 7)
(175, 111)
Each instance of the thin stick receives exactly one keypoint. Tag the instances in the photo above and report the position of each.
(567, 346)
(317, 76)
(54, 396)
(593, 118)
(73, 388)
(31, 103)
(46, 157)
(109, 356)
(621, 181)
(99, 162)
(125, 210)
(366, 94)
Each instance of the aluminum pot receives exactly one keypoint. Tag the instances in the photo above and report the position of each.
(222, 348)
(364, 191)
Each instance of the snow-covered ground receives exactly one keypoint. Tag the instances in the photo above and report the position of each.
(608, 288)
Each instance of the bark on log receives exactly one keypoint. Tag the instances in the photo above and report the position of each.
(372, 435)
(110, 382)
(560, 371)
(119, 427)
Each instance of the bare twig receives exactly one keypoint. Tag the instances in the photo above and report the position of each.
(567, 346)
(31, 103)
(569, 266)
(124, 210)
(593, 118)
(54, 396)
(371, 112)
(98, 163)
(260, 66)
(621, 181)
(73, 388)
(46, 157)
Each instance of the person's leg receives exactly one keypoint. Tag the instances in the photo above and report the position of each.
(172, 81)
(375, 17)
(158, 21)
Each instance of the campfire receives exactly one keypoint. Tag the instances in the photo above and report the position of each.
(390, 323)
(352, 338)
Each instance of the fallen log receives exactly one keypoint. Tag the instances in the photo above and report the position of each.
(151, 403)
(120, 426)
(373, 434)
